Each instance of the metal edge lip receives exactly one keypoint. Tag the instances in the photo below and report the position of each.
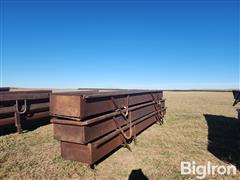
(96, 94)
(119, 93)
(24, 96)
(73, 93)
(102, 117)
(31, 92)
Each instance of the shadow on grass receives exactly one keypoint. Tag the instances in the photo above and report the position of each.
(224, 138)
(137, 174)
(26, 125)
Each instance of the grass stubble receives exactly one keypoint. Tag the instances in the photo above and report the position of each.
(158, 153)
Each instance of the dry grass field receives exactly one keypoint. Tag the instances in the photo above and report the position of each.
(199, 126)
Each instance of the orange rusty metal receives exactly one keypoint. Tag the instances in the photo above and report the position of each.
(75, 131)
(81, 105)
(17, 107)
(90, 125)
(91, 153)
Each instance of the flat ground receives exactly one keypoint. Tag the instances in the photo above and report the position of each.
(199, 126)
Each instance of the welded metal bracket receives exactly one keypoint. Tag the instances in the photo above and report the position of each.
(127, 116)
(158, 103)
(18, 117)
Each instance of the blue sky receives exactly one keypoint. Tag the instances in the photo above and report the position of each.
(120, 44)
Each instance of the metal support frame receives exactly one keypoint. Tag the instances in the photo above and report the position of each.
(127, 115)
(17, 115)
(159, 115)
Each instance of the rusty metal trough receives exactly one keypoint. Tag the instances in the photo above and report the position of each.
(90, 125)
(20, 107)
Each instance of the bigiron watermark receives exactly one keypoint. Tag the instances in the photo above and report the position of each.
(209, 169)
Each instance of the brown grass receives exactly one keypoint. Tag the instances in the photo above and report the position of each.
(160, 149)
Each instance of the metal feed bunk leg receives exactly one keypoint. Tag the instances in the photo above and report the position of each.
(17, 115)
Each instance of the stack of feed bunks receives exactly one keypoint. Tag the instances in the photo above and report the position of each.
(21, 107)
(90, 125)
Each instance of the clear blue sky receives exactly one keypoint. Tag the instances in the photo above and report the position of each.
(120, 44)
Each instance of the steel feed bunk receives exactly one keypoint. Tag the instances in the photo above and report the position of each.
(20, 107)
(90, 124)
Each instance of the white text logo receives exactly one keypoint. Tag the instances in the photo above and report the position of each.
(201, 171)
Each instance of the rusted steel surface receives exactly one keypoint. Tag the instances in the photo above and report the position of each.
(19, 107)
(25, 119)
(92, 124)
(73, 131)
(31, 108)
(236, 96)
(92, 152)
(79, 105)
(21, 95)
(4, 89)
